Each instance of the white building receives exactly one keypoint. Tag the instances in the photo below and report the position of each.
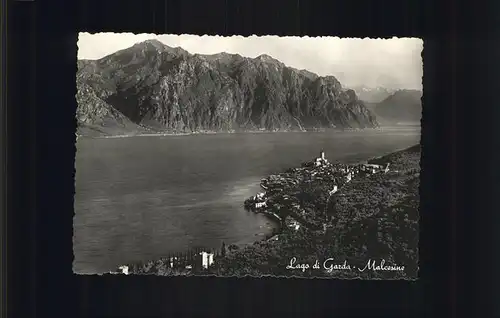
(335, 189)
(387, 168)
(318, 162)
(274, 238)
(207, 259)
(321, 160)
(124, 269)
(374, 168)
(348, 177)
(260, 204)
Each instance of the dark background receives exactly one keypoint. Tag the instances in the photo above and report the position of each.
(458, 177)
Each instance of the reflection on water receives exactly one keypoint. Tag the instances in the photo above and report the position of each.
(142, 197)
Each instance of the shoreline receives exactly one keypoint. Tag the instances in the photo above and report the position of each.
(326, 130)
(381, 157)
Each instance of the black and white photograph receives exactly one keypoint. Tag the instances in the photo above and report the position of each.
(247, 156)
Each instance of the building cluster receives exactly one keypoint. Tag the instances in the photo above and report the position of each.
(257, 202)
(277, 183)
(291, 223)
(279, 188)
(201, 258)
(260, 205)
(368, 169)
(198, 259)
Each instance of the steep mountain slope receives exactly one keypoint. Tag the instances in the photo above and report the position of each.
(98, 117)
(167, 89)
(404, 106)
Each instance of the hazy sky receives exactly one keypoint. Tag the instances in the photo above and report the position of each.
(391, 63)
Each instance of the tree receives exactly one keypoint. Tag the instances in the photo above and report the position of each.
(223, 249)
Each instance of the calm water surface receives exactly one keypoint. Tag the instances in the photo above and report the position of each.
(139, 198)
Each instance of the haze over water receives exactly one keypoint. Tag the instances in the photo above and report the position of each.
(140, 198)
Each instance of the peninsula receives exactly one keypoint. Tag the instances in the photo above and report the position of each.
(350, 215)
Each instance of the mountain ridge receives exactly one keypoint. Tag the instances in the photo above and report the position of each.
(372, 94)
(159, 88)
(403, 106)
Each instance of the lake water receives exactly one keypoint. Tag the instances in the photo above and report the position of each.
(140, 198)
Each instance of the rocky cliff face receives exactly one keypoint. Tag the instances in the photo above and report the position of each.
(155, 87)
(404, 106)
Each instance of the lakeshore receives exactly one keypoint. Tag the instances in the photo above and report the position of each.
(208, 132)
(352, 213)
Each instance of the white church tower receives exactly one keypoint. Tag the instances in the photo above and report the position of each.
(322, 156)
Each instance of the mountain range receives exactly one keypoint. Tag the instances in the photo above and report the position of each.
(372, 95)
(392, 106)
(402, 107)
(151, 87)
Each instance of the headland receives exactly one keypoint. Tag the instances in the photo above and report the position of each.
(353, 213)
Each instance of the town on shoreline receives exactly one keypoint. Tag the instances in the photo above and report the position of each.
(283, 192)
(351, 211)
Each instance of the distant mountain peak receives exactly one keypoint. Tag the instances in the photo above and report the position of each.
(267, 58)
(264, 57)
(404, 105)
(372, 94)
(160, 47)
(152, 42)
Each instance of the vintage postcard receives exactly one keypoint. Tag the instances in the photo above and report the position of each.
(248, 156)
